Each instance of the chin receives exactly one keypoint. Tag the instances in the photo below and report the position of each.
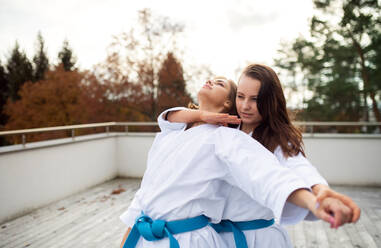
(248, 121)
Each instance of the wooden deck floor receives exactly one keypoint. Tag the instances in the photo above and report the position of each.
(91, 219)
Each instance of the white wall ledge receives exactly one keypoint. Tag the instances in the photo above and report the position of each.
(342, 135)
(66, 141)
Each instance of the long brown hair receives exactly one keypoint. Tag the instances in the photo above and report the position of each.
(275, 128)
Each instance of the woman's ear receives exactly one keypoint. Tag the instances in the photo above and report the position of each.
(227, 104)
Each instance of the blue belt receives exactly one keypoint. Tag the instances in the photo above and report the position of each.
(152, 230)
(239, 226)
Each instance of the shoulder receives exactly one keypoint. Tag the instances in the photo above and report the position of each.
(231, 132)
(235, 138)
(298, 158)
(165, 125)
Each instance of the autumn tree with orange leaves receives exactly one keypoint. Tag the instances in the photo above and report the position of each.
(142, 75)
(64, 98)
(171, 87)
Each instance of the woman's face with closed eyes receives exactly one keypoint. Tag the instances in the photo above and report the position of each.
(217, 92)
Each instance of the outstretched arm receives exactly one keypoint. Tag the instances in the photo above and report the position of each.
(303, 168)
(330, 210)
(256, 171)
(195, 115)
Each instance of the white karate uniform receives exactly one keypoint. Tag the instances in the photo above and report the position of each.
(276, 235)
(216, 171)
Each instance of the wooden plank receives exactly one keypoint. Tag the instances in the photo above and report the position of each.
(51, 221)
(310, 233)
(44, 216)
(368, 229)
(91, 219)
(299, 236)
(321, 235)
(337, 238)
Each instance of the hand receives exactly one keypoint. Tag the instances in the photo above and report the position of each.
(219, 118)
(322, 191)
(334, 212)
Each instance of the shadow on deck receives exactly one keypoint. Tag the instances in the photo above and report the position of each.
(91, 219)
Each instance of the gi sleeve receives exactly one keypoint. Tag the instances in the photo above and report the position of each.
(304, 169)
(257, 172)
(166, 125)
(133, 211)
(301, 166)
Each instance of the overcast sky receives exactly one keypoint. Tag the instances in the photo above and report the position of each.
(224, 35)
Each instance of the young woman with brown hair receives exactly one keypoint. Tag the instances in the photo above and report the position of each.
(261, 105)
(194, 175)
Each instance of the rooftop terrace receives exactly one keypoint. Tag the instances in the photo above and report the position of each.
(59, 193)
(91, 219)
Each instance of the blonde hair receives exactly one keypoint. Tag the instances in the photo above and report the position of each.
(231, 96)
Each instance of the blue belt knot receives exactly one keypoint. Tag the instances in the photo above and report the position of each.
(152, 230)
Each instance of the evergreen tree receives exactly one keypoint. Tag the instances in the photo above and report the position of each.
(19, 70)
(3, 94)
(341, 61)
(41, 61)
(67, 57)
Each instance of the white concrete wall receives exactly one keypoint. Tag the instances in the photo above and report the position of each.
(132, 151)
(33, 178)
(341, 159)
(347, 160)
(53, 170)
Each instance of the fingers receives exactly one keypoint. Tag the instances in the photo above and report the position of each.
(354, 209)
(352, 205)
(335, 217)
(223, 119)
(322, 195)
(326, 217)
(231, 119)
(356, 214)
(338, 217)
(341, 213)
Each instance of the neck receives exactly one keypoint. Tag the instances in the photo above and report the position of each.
(247, 128)
(211, 108)
(198, 123)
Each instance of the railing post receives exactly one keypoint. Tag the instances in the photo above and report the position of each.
(72, 134)
(311, 129)
(23, 140)
(126, 128)
(107, 130)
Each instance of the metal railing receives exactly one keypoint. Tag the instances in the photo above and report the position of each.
(309, 126)
(106, 125)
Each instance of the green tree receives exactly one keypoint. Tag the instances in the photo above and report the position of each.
(340, 61)
(41, 61)
(66, 56)
(19, 70)
(3, 94)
